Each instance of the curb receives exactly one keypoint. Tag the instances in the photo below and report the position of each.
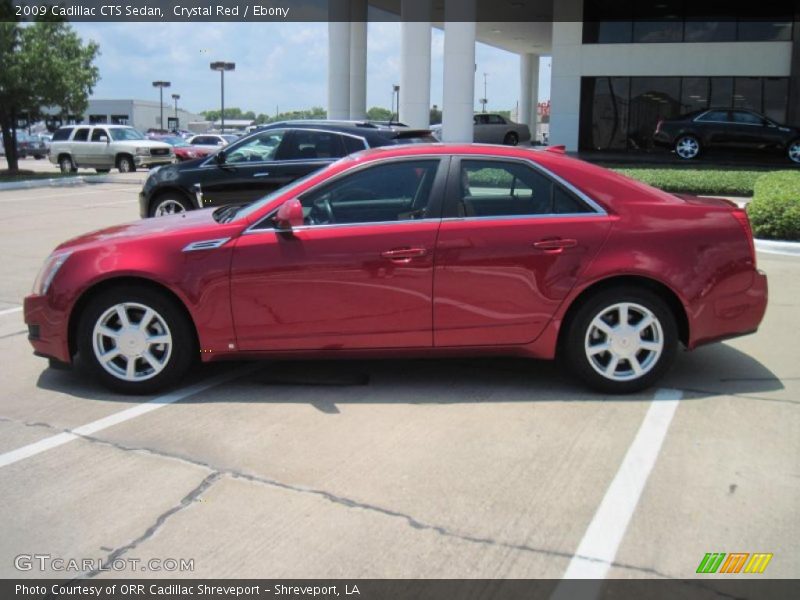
(774, 247)
(59, 182)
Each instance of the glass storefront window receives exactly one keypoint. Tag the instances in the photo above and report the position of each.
(605, 124)
(652, 98)
(747, 93)
(776, 98)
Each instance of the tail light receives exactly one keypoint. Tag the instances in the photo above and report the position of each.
(741, 216)
(658, 125)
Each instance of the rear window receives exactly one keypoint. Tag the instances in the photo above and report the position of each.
(62, 134)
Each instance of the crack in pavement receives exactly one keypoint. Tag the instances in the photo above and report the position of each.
(743, 396)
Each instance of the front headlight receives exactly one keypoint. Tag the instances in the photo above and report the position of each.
(143, 151)
(48, 272)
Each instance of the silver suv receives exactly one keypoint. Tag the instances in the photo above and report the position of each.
(104, 147)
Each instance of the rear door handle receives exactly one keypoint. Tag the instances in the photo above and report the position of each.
(403, 255)
(555, 245)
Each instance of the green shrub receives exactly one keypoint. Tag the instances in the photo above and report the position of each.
(775, 209)
(716, 182)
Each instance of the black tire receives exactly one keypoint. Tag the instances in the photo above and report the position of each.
(162, 204)
(793, 151)
(687, 147)
(66, 165)
(103, 171)
(125, 164)
(511, 139)
(579, 331)
(182, 353)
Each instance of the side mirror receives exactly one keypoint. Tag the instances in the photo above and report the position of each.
(104, 138)
(289, 215)
(219, 157)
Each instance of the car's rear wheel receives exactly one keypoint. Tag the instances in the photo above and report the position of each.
(621, 340)
(136, 340)
(511, 139)
(66, 165)
(168, 205)
(793, 152)
(125, 164)
(687, 147)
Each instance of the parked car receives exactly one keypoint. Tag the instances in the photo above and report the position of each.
(182, 149)
(105, 146)
(490, 128)
(255, 165)
(27, 145)
(690, 134)
(414, 250)
(212, 141)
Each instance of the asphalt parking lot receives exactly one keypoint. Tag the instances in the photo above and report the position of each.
(448, 468)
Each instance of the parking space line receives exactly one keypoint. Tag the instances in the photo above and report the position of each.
(10, 311)
(64, 195)
(600, 543)
(48, 443)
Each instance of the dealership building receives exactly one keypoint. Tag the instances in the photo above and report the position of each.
(618, 66)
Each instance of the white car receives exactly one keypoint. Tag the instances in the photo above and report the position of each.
(212, 141)
(103, 147)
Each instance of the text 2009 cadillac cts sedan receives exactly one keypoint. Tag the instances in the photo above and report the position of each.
(420, 250)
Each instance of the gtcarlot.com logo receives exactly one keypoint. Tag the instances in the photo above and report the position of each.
(48, 562)
(736, 562)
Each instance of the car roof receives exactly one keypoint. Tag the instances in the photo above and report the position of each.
(358, 127)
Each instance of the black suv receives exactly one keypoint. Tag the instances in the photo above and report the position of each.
(690, 134)
(265, 160)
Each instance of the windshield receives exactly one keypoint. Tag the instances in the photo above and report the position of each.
(125, 134)
(253, 207)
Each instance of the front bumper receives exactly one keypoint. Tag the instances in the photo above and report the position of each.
(152, 161)
(47, 329)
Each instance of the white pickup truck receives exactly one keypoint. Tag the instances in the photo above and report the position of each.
(103, 147)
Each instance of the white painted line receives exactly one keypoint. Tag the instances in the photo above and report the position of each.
(600, 543)
(778, 252)
(81, 193)
(10, 311)
(48, 443)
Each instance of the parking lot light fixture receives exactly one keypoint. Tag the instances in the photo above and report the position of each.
(161, 85)
(176, 97)
(222, 66)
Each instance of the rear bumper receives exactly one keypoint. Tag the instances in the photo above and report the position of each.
(47, 329)
(732, 315)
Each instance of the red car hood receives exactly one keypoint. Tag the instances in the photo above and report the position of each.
(185, 222)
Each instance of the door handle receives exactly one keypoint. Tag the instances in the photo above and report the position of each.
(264, 174)
(555, 245)
(403, 255)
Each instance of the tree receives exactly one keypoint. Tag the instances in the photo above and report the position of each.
(378, 113)
(435, 115)
(44, 64)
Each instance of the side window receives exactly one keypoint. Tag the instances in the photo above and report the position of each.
(496, 120)
(81, 135)
(398, 191)
(715, 115)
(352, 144)
(259, 148)
(747, 118)
(98, 133)
(62, 134)
(502, 189)
(309, 145)
(200, 140)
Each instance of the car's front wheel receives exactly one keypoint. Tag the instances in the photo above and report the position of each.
(136, 340)
(687, 147)
(511, 139)
(793, 152)
(621, 340)
(169, 205)
(125, 164)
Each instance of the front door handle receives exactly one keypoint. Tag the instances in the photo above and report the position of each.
(555, 245)
(403, 255)
(264, 174)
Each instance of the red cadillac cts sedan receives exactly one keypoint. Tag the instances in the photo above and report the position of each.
(406, 251)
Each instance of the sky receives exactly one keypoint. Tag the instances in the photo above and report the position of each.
(279, 66)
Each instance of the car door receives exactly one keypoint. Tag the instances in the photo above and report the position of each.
(749, 130)
(78, 146)
(98, 152)
(511, 247)
(359, 274)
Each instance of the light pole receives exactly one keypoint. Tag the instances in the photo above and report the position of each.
(484, 101)
(176, 97)
(222, 66)
(161, 85)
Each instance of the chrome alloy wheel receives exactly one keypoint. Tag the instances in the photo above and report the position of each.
(624, 341)
(132, 342)
(687, 147)
(168, 207)
(794, 151)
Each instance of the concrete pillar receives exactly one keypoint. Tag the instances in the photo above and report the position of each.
(459, 73)
(358, 59)
(529, 90)
(415, 63)
(339, 70)
(565, 82)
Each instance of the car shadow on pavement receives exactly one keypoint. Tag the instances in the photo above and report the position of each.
(719, 369)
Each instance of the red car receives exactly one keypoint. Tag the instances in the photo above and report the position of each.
(184, 150)
(417, 250)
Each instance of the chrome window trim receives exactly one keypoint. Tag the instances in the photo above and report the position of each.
(699, 118)
(251, 231)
